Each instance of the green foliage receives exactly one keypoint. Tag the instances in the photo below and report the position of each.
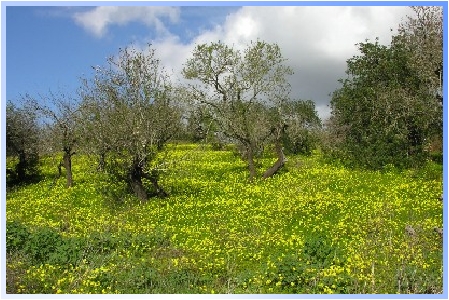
(372, 105)
(16, 236)
(217, 145)
(42, 244)
(48, 246)
(112, 186)
(200, 125)
(142, 278)
(69, 252)
(244, 92)
(293, 272)
(389, 105)
(104, 242)
(129, 112)
(302, 126)
(304, 142)
(158, 238)
(22, 144)
(437, 157)
(319, 251)
(430, 170)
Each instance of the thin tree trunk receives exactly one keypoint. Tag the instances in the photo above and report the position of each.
(101, 161)
(67, 163)
(251, 164)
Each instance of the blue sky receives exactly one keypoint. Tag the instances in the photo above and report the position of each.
(50, 48)
(47, 49)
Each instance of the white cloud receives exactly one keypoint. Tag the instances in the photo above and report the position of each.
(173, 54)
(98, 19)
(316, 40)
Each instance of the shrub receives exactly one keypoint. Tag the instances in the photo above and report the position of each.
(42, 244)
(17, 235)
(318, 249)
(70, 251)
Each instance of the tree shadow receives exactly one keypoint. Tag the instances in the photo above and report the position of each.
(13, 182)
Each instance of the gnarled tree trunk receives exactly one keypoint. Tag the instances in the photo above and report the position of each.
(21, 166)
(135, 181)
(279, 152)
(278, 164)
(101, 161)
(135, 176)
(67, 164)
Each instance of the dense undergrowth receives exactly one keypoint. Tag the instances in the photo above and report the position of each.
(312, 228)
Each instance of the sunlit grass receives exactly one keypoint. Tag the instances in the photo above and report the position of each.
(217, 233)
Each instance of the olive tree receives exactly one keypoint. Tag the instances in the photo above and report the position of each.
(129, 111)
(421, 35)
(59, 113)
(22, 141)
(239, 86)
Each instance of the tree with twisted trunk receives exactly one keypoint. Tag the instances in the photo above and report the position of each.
(240, 88)
(129, 113)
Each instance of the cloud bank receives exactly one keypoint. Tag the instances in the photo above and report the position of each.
(316, 40)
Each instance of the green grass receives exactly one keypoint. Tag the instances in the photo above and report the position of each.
(313, 228)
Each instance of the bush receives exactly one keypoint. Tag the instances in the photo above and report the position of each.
(70, 251)
(429, 171)
(293, 271)
(42, 244)
(437, 157)
(17, 235)
(303, 142)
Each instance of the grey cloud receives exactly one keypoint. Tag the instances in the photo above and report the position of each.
(317, 41)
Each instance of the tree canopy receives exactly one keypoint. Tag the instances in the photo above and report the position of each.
(389, 106)
(129, 111)
(239, 86)
(22, 140)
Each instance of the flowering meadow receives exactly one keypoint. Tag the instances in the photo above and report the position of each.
(312, 228)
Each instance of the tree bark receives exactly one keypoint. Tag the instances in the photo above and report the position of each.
(135, 181)
(101, 161)
(251, 164)
(67, 163)
(68, 141)
(21, 166)
(278, 164)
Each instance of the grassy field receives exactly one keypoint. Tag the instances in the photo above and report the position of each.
(313, 228)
